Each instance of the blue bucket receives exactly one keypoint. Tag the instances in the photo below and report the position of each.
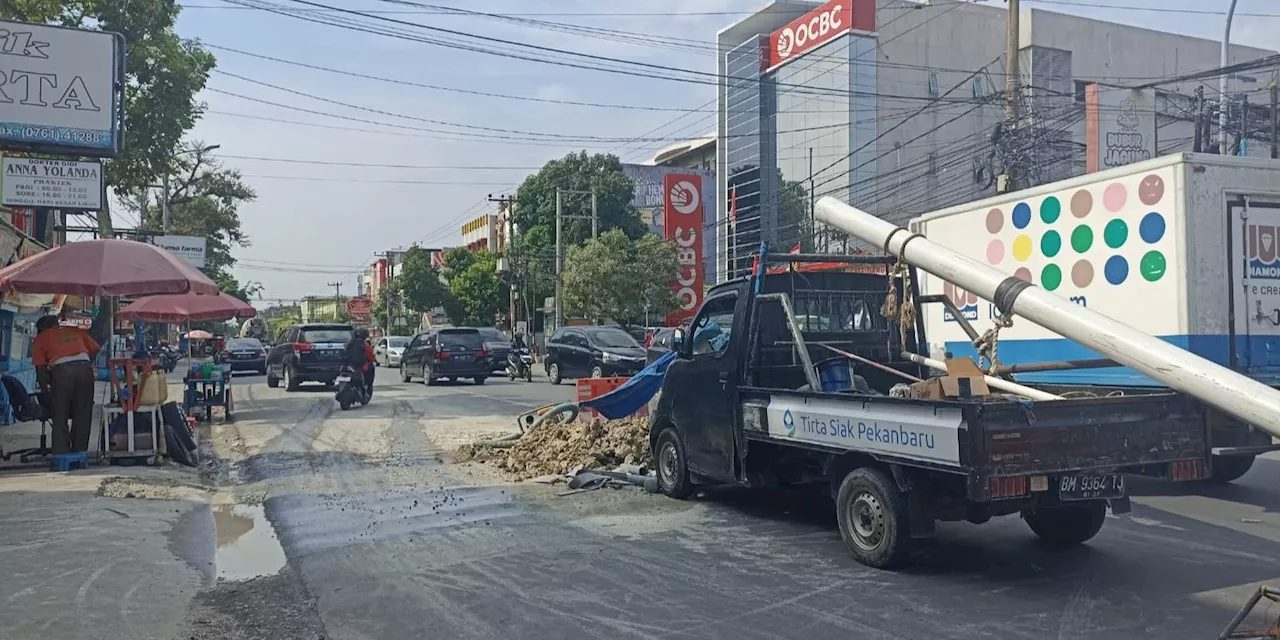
(835, 374)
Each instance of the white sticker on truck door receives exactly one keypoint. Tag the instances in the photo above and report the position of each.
(913, 432)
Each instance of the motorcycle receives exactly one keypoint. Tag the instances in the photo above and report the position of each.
(167, 357)
(520, 365)
(351, 389)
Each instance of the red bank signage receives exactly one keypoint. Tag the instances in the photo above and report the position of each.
(818, 27)
(682, 219)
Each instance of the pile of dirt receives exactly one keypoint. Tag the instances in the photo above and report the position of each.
(556, 449)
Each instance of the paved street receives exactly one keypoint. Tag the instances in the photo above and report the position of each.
(355, 525)
(393, 544)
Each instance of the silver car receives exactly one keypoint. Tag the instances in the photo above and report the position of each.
(387, 351)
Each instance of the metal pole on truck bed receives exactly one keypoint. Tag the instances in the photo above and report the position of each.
(1247, 399)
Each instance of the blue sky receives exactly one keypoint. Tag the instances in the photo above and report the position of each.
(338, 217)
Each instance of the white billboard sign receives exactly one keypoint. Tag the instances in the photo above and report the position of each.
(189, 248)
(60, 184)
(60, 88)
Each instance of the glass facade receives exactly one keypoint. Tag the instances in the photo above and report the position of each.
(793, 135)
(826, 125)
(750, 160)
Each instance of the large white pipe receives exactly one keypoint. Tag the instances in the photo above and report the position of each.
(994, 383)
(1247, 399)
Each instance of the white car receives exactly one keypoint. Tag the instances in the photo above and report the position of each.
(387, 351)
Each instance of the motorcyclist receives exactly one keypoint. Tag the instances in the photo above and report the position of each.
(518, 347)
(359, 354)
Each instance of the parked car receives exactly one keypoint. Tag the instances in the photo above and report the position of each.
(244, 354)
(446, 353)
(387, 351)
(307, 353)
(596, 352)
(660, 342)
(498, 346)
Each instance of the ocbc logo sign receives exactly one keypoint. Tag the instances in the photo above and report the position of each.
(815, 29)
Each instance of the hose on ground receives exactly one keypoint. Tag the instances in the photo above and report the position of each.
(508, 440)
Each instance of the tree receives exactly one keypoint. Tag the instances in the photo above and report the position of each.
(379, 311)
(475, 288)
(620, 279)
(536, 199)
(419, 283)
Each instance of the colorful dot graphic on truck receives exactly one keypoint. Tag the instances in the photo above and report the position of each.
(1111, 236)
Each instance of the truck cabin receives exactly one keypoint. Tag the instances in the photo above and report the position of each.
(834, 309)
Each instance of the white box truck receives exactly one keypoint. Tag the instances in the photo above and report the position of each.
(1184, 247)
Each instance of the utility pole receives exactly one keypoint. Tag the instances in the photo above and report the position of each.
(1222, 81)
(1242, 144)
(1012, 81)
(1197, 144)
(505, 206)
(560, 217)
(337, 297)
(1275, 122)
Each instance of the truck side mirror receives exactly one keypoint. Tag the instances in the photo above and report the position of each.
(677, 339)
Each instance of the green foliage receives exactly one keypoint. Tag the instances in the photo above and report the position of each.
(419, 283)
(248, 292)
(536, 199)
(615, 278)
(379, 312)
(163, 75)
(476, 290)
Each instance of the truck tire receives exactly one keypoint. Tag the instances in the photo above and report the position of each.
(872, 515)
(1069, 526)
(1229, 468)
(672, 464)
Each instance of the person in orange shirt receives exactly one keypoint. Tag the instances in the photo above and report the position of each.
(63, 357)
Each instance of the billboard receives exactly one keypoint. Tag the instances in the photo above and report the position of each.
(1120, 126)
(61, 90)
(189, 248)
(682, 223)
(60, 184)
(650, 198)
(816, 28)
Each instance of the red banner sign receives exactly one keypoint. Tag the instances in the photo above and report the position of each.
(359, 307)
(818, 27)
(682, 219)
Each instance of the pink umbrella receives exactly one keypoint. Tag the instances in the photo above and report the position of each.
(188, 307)
(105, 267)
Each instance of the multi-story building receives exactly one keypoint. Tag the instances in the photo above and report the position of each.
(898, 108)
(322, 308)
(691, 154)
(481, 233)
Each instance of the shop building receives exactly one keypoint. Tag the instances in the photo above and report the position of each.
(895, 108)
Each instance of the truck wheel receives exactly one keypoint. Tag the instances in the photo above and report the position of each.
(872, 516)
(673, 468)
(1229, 468)
(1066, 527)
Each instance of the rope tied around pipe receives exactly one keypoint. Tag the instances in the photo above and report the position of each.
(988, 344)
(905, 311)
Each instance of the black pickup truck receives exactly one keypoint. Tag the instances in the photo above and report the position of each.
(741, 405)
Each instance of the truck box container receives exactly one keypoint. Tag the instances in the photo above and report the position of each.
(1183, 247)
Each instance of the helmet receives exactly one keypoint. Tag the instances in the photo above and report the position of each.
(362, 333)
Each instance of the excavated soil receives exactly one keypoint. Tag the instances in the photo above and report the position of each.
(557, 449)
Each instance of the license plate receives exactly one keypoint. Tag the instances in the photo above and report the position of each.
(464, 357)
(1091, 486)
(244, 356)
(344, 378)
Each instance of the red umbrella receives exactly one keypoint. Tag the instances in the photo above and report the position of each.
(105, 267)
(188, 307)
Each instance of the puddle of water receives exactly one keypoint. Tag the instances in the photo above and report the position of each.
(247, 546)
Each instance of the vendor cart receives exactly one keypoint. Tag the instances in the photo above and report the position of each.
(208, 386)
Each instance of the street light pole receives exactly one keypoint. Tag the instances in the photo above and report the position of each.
(1222, 82)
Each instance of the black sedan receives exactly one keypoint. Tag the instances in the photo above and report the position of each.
(498, 346)
(244, 354)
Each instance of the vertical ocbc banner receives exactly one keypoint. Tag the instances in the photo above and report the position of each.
(682, 215)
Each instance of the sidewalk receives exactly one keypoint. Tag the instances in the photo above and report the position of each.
(106, 552)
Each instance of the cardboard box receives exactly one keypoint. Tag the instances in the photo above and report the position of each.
(963, 380)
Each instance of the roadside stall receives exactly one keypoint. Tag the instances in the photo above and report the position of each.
(208, 385)
(110, 268)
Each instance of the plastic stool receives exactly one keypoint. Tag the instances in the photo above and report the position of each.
(65, 461)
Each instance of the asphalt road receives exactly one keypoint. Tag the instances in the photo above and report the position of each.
(383, 540)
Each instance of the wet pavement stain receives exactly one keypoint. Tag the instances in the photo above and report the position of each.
(247, 546)
(311, 523)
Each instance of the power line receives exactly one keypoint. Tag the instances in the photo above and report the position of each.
(378, 165)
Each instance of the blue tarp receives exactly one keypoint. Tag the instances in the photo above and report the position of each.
(634, 393)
